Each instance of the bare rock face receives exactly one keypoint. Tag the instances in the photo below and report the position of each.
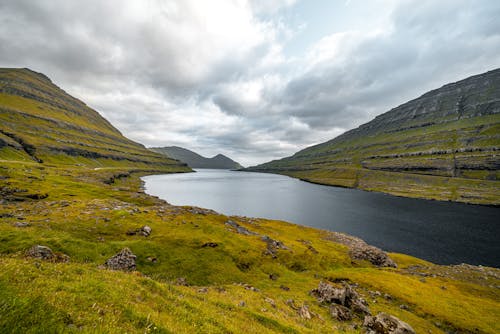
(360, 250)
(384, 323)
(40, 252)
(124, 260)
(344, 301)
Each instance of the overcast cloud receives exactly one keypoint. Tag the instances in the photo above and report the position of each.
(255, 80)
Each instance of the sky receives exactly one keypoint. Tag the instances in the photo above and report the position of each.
(255, 80)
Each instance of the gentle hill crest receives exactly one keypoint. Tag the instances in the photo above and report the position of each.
(443, 145)
(195, 160)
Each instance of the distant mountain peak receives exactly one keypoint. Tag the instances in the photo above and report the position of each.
(195, 160)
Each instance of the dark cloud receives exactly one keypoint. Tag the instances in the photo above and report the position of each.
(211, 76)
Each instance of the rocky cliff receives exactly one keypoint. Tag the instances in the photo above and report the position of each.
(194, 160)
(41, 122)
(443, 145)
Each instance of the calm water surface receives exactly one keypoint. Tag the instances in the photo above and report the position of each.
(440, 232)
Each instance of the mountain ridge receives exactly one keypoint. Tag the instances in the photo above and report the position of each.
(442, 145)
(195, 160)
(41, 122)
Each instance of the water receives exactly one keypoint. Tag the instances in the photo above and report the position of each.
(441, 232)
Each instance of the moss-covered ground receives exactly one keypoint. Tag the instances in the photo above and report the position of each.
(87, 212)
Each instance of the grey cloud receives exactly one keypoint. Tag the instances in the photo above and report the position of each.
(163, 78)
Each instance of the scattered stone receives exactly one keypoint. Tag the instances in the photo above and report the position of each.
(181, 281)
(239, 229)
(340, 312)
(40, 252)
(404, 307)
(304, 312)
(210, 244)
(151, 259)
(123, 260)
(291, 303)
(21, 224)
(270, 301)
(360, 250)
(144, 231)
(273, 246)
(203, 290)
(284, 288)
(387, 296)
(384, 323)
(242, 304)
(273, 277)
(6, 215)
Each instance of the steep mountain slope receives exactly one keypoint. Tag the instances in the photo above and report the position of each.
(194, 160)
(443, 145)
(41, 122)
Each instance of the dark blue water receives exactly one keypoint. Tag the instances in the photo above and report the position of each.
(441, 232)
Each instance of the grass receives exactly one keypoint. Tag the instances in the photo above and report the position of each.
(87, 219)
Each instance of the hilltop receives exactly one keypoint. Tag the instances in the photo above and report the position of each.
(443, 145)
(194, 160)
(84, 250)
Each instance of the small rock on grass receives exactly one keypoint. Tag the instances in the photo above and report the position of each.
(123, 260)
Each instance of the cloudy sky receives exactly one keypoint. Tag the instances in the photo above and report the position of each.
(256, 80)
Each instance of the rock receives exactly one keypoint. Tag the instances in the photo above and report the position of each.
(242, 304)
(181, 281)
(284, 288)
(270, 301)
(152, 259)
(21, 224)
(273, 246)
(40, 252)
(144, 231)
(404, 307)
(340, 312)
(360, 250)
(345, 296)
(124, 260)
(304, 312)
(210, 244)
(273, 277)
(384, 323)
(203, 290)
(239, 229)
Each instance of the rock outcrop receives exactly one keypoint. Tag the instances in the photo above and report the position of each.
(384, 323)
(123, 260)
(344, 301)
(360, 250)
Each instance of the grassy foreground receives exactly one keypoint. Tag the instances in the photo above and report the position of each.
(232, 287)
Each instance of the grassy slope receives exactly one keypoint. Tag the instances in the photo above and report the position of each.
(443, 145)
(88, 220)
(86, 204)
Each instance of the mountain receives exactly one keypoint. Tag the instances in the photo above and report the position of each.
(83, 249)
(41, 122)
(194, 160)
(443, 145)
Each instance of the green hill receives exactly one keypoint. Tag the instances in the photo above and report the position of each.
(194, 160)
(40, 122)
(443, 145)
(65, 224)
